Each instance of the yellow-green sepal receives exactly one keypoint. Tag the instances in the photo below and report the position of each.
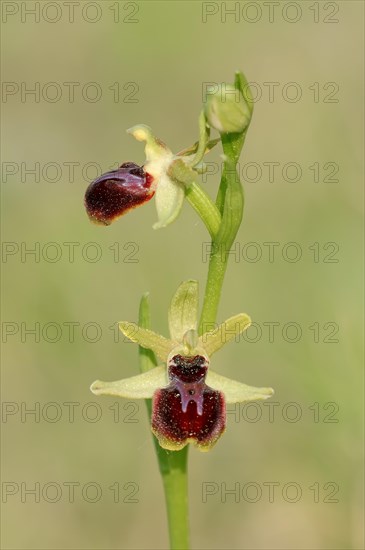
(236, 392)
(142, 386)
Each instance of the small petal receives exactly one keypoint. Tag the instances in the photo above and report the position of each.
(142, 386)
(236, 392)
(214, 340)
(183, 312)
(169, 200)
(146, 338)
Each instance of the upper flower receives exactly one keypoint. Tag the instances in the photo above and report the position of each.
(115, 193)
(189, 399)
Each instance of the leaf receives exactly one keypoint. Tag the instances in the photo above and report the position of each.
(147, 359)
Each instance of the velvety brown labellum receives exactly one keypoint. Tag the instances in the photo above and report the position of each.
(116, 192)
(188, 409)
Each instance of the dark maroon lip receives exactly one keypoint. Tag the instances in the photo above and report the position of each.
(114, 193)
(188, 409)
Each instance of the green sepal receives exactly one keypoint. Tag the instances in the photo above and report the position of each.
(236, 392)
(183, 312)
(142, 386)
(169, 199)
(241, 84)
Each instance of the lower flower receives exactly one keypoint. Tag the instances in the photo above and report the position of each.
(189, 399)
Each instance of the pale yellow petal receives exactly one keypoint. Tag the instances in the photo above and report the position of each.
(215, 339)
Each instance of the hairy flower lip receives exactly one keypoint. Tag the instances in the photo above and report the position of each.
(116, 192)
(187, 410)
(178, 420)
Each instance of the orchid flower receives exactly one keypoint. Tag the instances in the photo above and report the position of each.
(163, 175)
(189, 399)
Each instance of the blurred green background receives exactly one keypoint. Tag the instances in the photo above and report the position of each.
(158, 55)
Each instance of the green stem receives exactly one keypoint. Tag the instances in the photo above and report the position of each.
(184, 175)
(230, 201)
(172, 464)
(205, 207)
(175, 482)
(213, 289)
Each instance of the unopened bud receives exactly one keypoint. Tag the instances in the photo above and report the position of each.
(226, 109)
